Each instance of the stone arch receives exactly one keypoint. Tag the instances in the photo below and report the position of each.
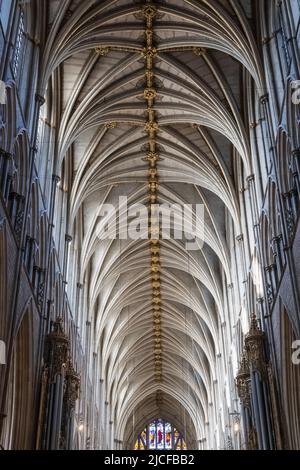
(10, 117)
(19, 421)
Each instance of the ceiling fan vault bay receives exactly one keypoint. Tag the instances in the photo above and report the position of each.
(151, 108)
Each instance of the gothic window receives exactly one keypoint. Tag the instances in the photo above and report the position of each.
(160, 435)
(283, 35)
(18, 46)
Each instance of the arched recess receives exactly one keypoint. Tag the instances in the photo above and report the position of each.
(3, 302)
(18, 429)
(293, 112)
(290, 380)
(98, 113)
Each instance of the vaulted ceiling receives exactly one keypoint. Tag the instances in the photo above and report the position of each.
(154, 361)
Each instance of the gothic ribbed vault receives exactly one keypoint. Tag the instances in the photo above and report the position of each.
(94, 62)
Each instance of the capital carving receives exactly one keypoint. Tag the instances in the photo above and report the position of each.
(250, 178)
(149, 52)
(296, 153)
(72, 386)
(199, 51)
(151, 126)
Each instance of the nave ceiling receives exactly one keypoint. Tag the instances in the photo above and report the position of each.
(94, 71)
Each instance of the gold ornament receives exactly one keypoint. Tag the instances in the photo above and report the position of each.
(151, 126)
(102, 50)
(111, 125)
(150, 94)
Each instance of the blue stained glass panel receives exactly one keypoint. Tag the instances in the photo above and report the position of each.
(160, 435)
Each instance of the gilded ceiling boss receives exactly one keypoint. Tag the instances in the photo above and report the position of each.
(149, 53)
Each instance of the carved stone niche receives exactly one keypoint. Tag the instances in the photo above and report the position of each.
(57, 348)
(254, 344)
(243, 381)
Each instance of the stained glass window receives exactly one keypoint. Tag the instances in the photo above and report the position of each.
(168, 436)
(152, 436)
(160, 435)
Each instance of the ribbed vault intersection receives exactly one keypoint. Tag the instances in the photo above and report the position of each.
(152, 111)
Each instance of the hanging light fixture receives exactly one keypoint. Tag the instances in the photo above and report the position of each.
(236, 422)
(236, 425)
